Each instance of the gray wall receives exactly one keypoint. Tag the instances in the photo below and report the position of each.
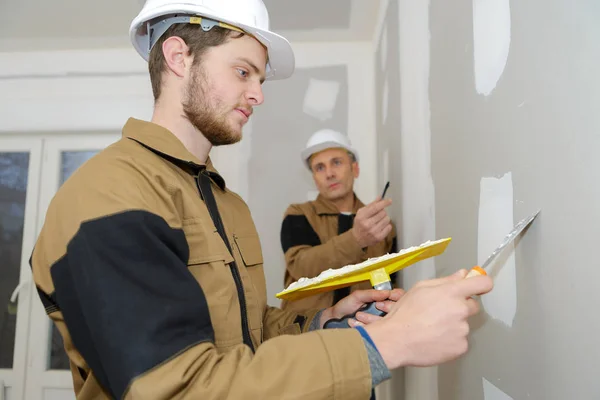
(387, 82)
(277, 177)
(541, 124)
(468, 161)
(388, 122)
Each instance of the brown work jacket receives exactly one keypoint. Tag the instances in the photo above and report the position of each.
(312, 241)
(156, 297)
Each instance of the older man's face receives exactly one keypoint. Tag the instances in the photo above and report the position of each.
(334, 172)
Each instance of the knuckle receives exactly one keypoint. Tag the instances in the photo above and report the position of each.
(465, 329)
(463, 346)
(476, 308)
(465, 311)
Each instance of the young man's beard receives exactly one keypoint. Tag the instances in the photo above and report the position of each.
(204, 116)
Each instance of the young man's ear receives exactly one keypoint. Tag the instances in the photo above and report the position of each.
(175, 52)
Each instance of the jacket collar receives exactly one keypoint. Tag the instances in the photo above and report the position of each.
(324, 206)
(164, 143)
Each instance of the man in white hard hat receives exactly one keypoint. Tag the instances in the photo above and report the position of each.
(335, 229)
(152, 270)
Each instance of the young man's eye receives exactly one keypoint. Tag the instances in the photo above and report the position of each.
(242, 72)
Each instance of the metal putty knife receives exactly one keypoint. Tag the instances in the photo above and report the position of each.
(480, 270)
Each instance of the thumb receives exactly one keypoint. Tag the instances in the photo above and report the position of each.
(457, 276)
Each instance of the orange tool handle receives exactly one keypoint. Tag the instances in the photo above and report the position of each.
(476, 271)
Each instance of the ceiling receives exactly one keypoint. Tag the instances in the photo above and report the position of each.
(42, 25)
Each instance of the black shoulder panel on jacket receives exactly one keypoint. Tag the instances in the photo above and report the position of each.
(128, 298)
(296, 231)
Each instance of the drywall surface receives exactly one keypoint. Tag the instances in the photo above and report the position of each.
(539, 125)
(387, 99)
(405, 129)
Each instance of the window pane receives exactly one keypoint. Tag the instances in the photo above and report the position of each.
(13, 190)
(70, 161)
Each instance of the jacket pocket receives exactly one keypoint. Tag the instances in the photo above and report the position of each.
(252, 274)
(204, 242)
(249, 248)
(208, 262)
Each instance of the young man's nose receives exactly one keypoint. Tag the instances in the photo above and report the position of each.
(255, 95)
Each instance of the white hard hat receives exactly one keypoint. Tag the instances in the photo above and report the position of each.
(326, 139)
(250, 16)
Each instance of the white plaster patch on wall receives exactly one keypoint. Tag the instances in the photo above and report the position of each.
(320, 98)
(491, 392)
(385, 101)
(384, 47)
(495, 221)
(491, 42)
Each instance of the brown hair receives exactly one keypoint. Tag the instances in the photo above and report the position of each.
(198, 42)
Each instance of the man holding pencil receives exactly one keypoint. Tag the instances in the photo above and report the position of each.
(336, 229)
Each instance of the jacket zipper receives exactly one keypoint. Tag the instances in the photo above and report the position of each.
(240, 288)
(215, 216)
(237, 245)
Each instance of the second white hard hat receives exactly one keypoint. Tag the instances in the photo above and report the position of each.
(326, 139)
(250, 16)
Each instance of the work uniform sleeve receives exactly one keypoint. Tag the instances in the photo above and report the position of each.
(140, 320)
(306, 256)
(283, 322)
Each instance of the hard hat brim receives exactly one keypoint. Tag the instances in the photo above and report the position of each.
(281, 55)
(317, 148)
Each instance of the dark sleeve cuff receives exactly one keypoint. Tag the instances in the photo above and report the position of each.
(315, 324)
(379, 371)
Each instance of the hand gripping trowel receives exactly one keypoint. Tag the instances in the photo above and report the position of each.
(376, 270)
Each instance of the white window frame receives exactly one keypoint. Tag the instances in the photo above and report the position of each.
(15, 378)
(39, 378)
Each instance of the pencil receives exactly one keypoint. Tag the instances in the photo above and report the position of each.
(387, 185)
